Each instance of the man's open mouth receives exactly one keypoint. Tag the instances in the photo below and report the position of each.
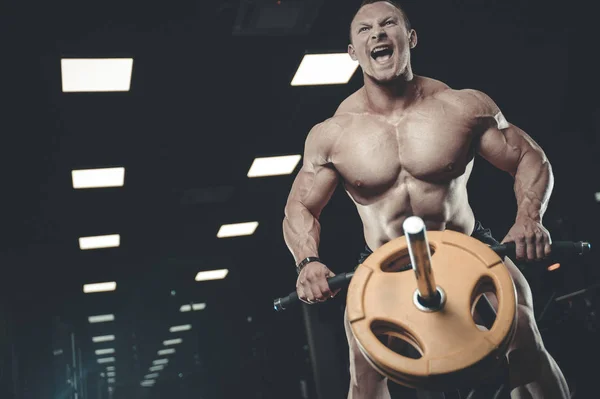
(382, 53)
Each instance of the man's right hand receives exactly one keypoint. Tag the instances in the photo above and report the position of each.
(312, 286)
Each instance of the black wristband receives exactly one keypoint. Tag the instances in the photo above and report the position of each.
(305, 262)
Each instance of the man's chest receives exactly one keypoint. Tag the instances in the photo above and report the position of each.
(427, 144)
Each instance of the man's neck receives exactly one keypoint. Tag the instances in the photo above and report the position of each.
(385, 98)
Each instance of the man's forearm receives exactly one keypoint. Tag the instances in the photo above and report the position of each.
(534, 182)
(301, 232)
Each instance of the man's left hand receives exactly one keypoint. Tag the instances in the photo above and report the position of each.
(532, 240)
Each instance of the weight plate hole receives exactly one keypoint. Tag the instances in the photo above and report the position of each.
(484, 304)
(397, 339)
(401, 261)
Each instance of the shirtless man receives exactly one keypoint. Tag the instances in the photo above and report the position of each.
(404, 145)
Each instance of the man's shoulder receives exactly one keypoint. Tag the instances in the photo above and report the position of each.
(470, 101)
(327, 131)
(334, 126)
(320, 142)
(324, 135)
(353, 104)
(429, 87)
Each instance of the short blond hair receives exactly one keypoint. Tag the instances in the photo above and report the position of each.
(392, 2)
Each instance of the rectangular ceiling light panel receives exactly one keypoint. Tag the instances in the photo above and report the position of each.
(193, 306)
(103, 318)
(103, 338)
(274, 166)
(212, 275)
(99, 287)
(96, 242)
(185, 327)
(109, 351)
(96, 74)
(324, 69)
(237, 229)
(98, 178)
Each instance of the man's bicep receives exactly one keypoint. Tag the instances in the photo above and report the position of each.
(505, 145)
(499, 142)
(313, 187)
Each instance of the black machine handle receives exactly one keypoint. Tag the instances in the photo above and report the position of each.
(338, 281)
(563, 248)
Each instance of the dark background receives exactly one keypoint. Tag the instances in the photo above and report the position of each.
(211, 91)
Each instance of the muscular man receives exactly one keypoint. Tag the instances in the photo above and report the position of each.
(404, 145)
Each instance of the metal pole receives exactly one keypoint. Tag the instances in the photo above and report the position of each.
(325, 361)
(75, 377)
(81, 377)
(420, 257)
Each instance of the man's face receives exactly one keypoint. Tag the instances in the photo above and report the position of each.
(380, 41)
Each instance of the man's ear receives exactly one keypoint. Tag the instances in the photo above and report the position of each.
(412, 38)
(352, 52)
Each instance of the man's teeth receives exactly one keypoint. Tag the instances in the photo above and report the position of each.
(381, 52)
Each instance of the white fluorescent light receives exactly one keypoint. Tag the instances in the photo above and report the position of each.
(324, 69)
(101, 318)
(147, 383)
(166, 352)
(99, 287)
(111, 374)
(110, 368)
(212, 275)
(57, 352)
(98, 178)
(100, 352)
(107, 241)
(96, 74)
(111, 380)
(172, 341)
(274, 166)
(106, 360)
(597, 197)
(237, 229)
(157, 368)
(103, 338)
(160, 361)
(151, 376)
(184, 327)
(193, 306)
